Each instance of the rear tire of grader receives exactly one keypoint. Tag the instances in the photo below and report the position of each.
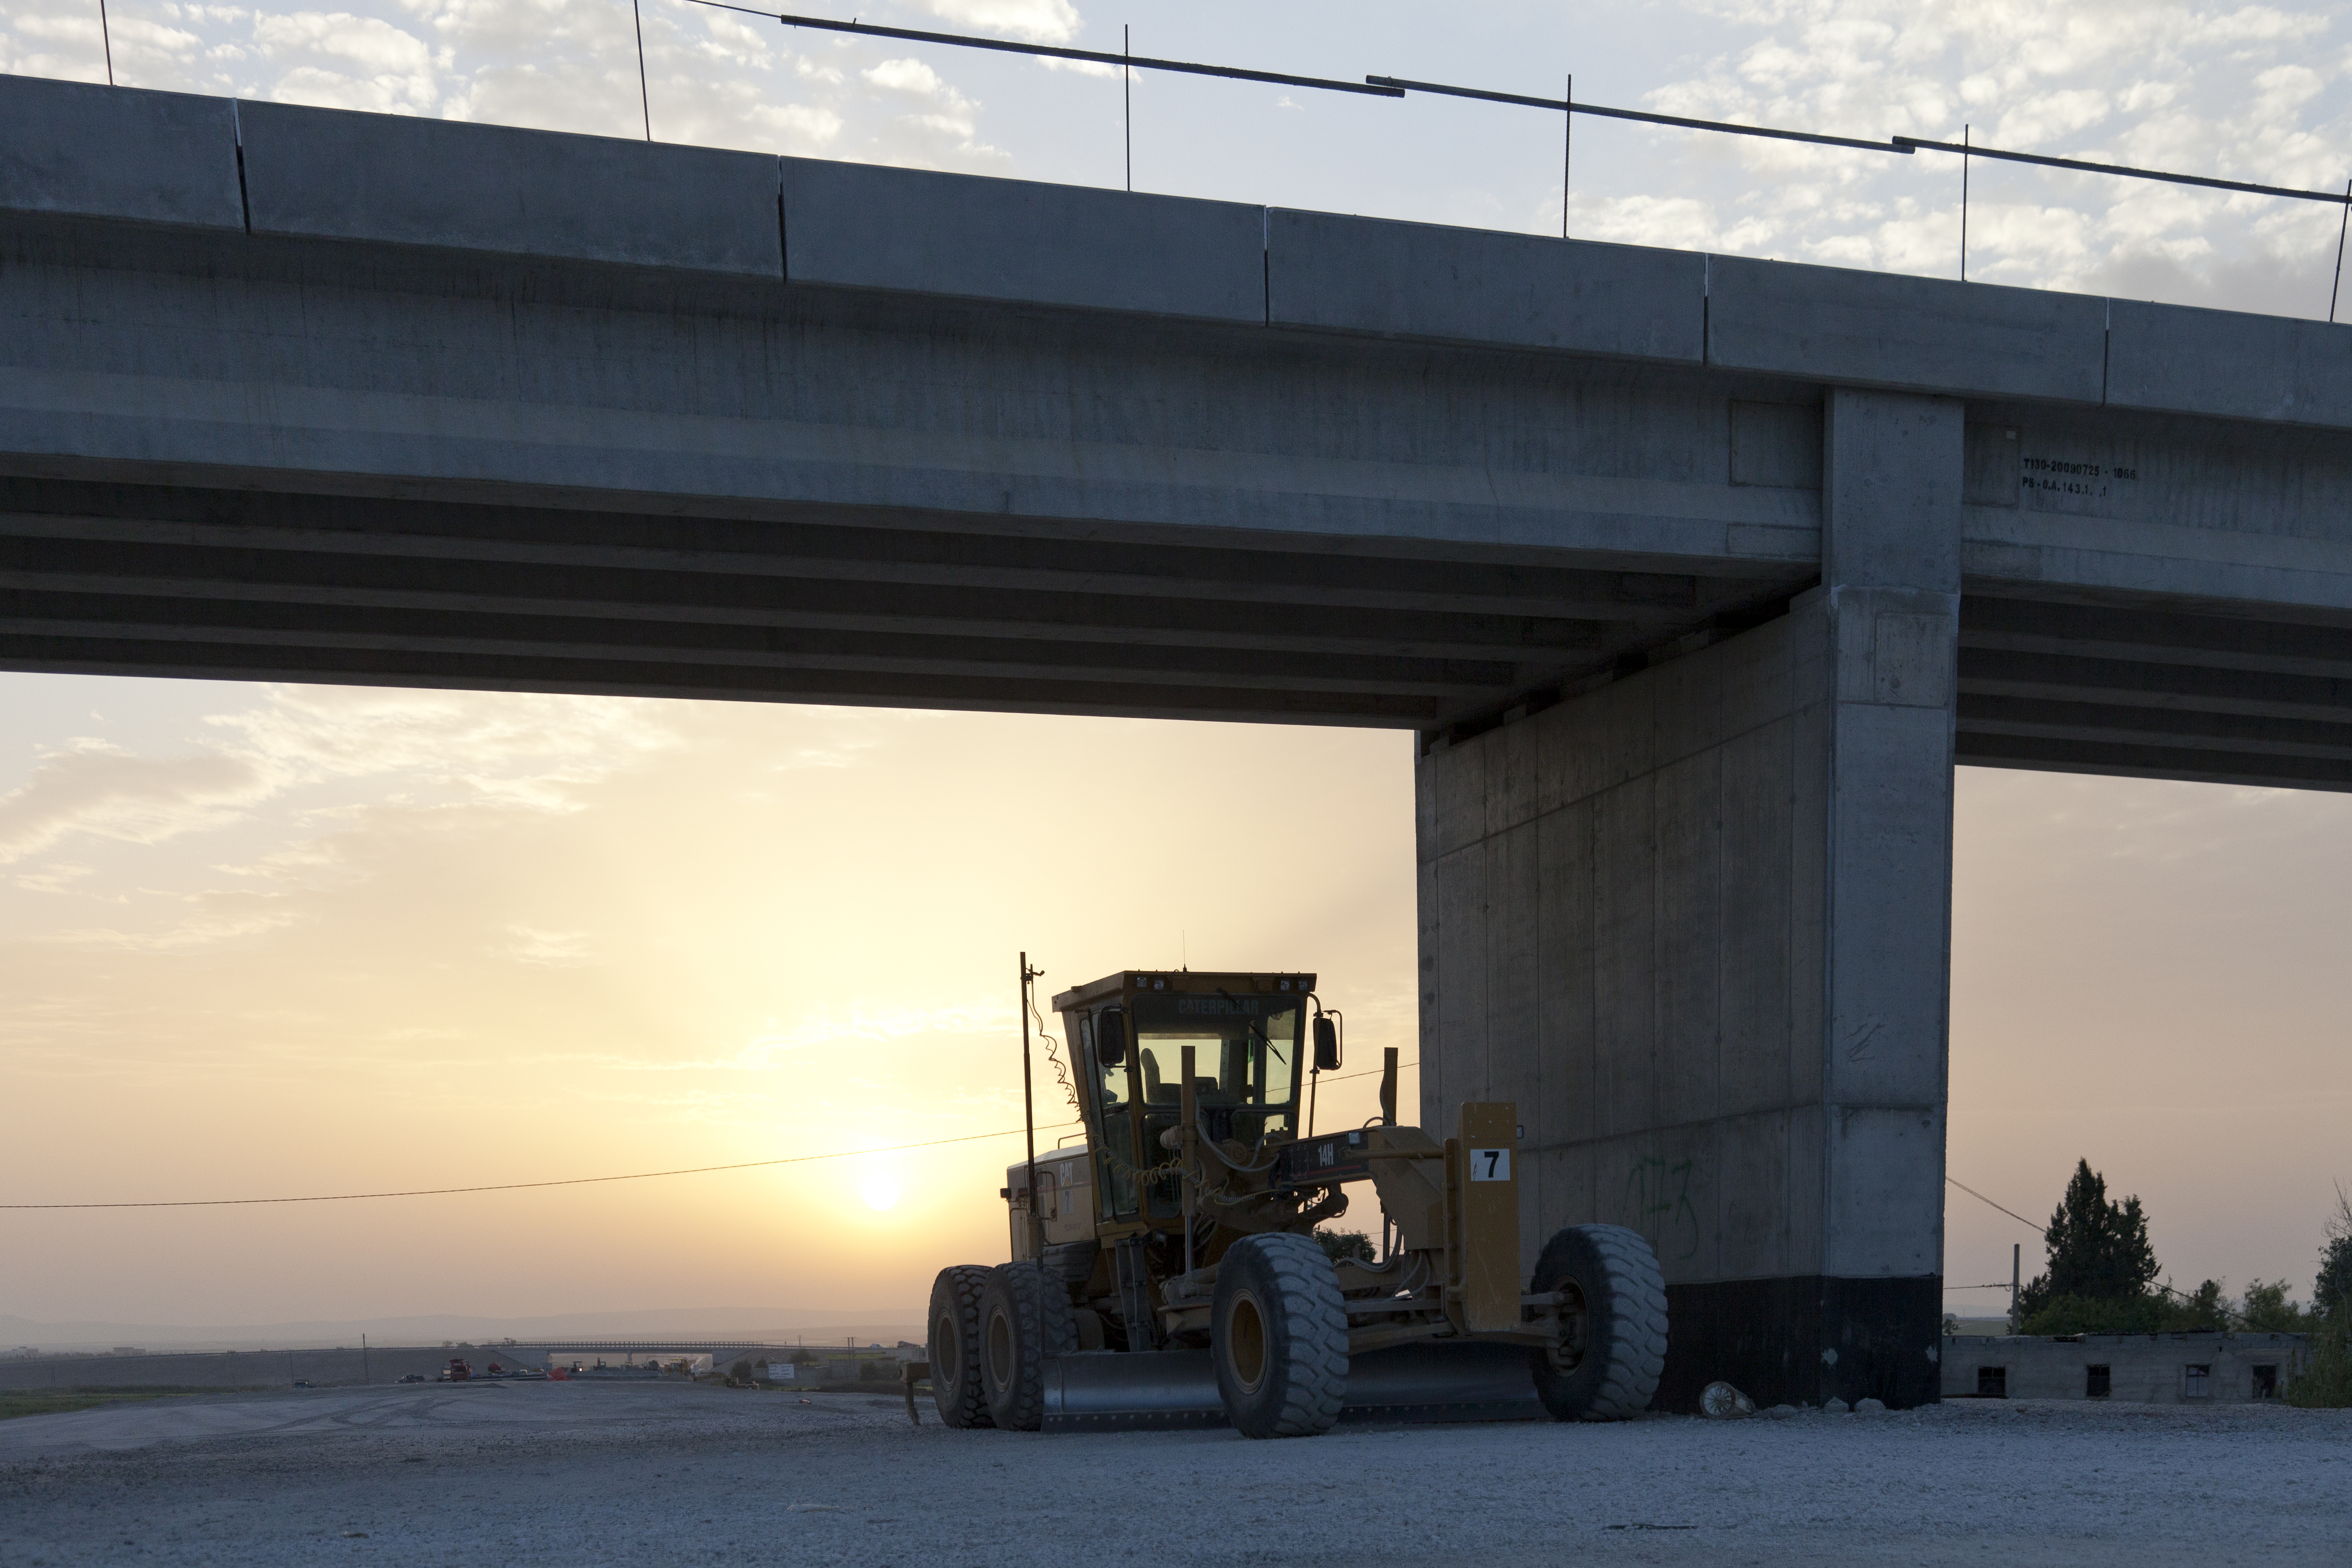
(954, 1350)
(1024, 1316)
(1614, 1272)
(1278, 1335)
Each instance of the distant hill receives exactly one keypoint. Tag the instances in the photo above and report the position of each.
(774, 1324)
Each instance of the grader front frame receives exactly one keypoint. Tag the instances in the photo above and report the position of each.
(1166, 1271)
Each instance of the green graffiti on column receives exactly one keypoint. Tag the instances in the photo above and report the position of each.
(1658, 1196)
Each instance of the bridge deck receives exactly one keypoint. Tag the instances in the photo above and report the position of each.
(303, 395)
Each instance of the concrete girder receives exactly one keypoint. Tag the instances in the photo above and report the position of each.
(325, 627)
(2241, 734)
(2109, 758)
(890, 556)
(2152, 635)
(505, 672)
(2136, 684)
(946, 611)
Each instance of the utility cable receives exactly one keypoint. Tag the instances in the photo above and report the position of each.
(2003, 1283)
(519, 1187)
(1983, 1199)
(1399, 87)
(567, 1181)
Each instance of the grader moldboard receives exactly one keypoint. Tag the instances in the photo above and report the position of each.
(1165, 1272)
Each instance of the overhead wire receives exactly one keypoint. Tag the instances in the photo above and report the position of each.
(564, 1182)
(2003, 1285)
(1399, 87)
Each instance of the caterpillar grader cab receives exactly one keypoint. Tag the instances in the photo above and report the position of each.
(1165, 1271)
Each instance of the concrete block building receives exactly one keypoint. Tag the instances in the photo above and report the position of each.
(2147, 1369)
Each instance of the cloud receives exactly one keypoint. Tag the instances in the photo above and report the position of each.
(1081, 67)
(555, 949)
(907, 76)
(1032, 21)
(528, 753)
(338, 60)
(89, 787)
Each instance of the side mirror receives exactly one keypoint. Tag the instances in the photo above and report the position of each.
(1327, 1044)
(1111, 1037)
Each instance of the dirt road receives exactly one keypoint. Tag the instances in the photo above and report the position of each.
(576, 1474)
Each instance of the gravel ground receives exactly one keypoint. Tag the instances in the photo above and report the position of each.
(581, 1474)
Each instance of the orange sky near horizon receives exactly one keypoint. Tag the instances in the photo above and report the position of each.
(270, 940)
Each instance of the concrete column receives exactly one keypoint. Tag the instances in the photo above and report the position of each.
(1697, 924)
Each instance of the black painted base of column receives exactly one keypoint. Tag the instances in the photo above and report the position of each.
(1805, 1341)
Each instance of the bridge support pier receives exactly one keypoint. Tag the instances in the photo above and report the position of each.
(1697, 923)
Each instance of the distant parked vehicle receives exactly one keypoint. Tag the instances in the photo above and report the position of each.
(410, 1377)
(458, 1370)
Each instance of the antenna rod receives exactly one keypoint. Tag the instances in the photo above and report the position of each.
(1029, 1105)
(2333, 288)
(644, 97)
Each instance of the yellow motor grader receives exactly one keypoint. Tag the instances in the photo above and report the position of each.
(1166, 1272)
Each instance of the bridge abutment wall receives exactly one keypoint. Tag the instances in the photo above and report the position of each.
(1696, 922)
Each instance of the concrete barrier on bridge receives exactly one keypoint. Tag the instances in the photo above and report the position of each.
(861, 225)
(1417, 280)
(1925, 334)
(2224, 362)
(336, 174)
(79, 151)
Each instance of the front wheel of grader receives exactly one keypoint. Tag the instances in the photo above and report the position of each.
(954, 1350)
(1610, 1276)
(1025, 1319)
(1278, 1335)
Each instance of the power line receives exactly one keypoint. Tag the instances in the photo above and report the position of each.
(2183, 1295)
(1726, 126)
(519, 1187)
(1398, 86)
(1050, 51)
(1983, 1199)
(1976, 149)
(582, 1181)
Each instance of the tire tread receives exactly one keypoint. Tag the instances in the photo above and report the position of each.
(1043, 1325)
(1633, 1355)
(960, 1399)
(1317, 1355)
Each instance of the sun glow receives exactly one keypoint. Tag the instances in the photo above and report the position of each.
(881, 1190)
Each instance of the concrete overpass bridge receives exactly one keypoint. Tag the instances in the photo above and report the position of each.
(1694, 575)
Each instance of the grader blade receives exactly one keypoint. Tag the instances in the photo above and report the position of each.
(1177, 1390)
(1139, 1390)
(1433, 1382)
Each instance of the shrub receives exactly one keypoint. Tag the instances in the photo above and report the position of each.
(2138, 1314)
(2326, 1380)
(876, 1371)
(2268, 1311)
(1338, 1245)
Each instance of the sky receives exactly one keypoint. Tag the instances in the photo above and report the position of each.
(281, 939)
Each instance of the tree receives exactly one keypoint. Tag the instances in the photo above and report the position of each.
(2268, 1311)
(2099, 1250)
(2207, 1312)
(2331, 1292)
(1341, 1245)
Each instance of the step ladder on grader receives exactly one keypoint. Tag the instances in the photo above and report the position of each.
(1165, 1272)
